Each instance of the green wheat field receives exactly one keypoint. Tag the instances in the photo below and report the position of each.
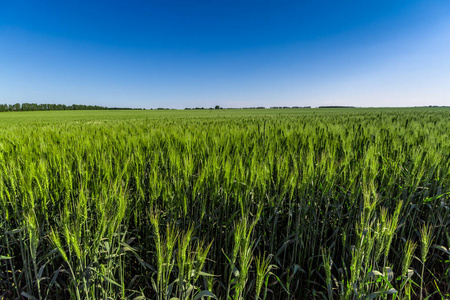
(225, 204)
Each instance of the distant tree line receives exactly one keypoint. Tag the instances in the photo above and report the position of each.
(43, 107)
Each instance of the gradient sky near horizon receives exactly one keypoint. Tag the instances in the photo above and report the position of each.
(198, 53)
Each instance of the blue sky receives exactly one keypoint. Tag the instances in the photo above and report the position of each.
(230, 53)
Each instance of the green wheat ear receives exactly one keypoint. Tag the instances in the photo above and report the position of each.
(202, 253)
(154, 220)
(426, 237)
(408, 255)
(54, 237)
(327, 264)
(263, 267)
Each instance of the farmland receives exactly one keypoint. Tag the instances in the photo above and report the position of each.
(230, 204)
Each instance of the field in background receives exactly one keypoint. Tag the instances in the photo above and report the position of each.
(232, 204)
(115, 115)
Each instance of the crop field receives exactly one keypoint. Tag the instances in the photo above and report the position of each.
(225, 204)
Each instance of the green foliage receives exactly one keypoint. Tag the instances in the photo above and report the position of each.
(225, 204)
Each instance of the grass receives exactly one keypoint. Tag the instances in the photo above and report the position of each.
(226, 204)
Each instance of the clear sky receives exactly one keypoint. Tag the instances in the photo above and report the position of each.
(198, 53)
